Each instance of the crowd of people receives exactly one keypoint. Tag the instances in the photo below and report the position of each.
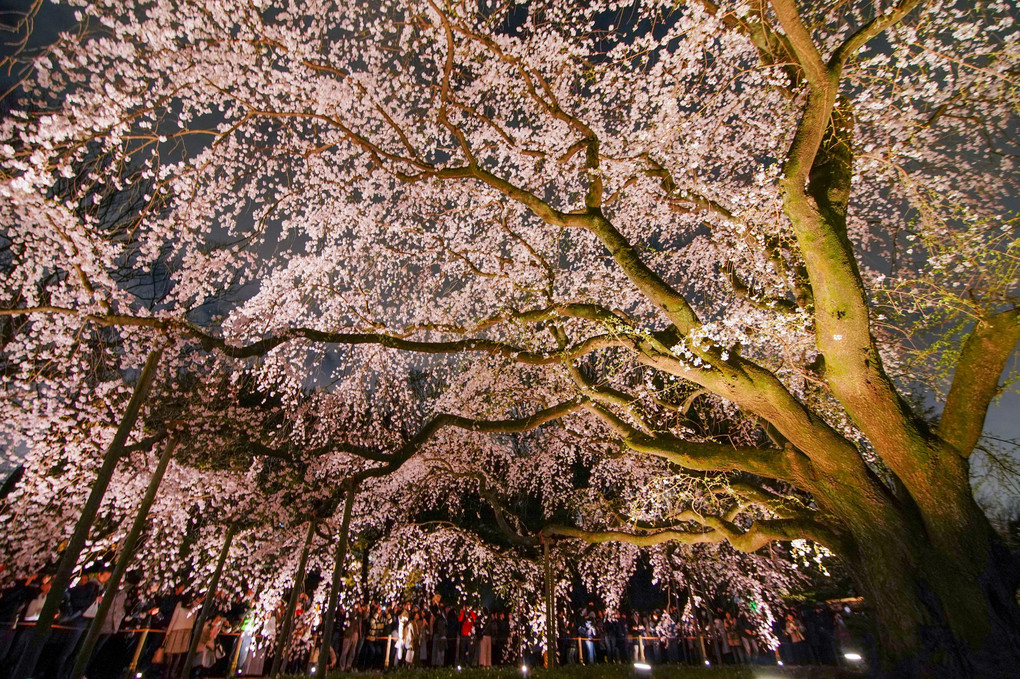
(810, 635)
(150, 632)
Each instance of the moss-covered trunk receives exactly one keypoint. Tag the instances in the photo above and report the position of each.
(940, 612)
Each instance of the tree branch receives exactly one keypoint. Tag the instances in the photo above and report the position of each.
(759, 534)
(867, 32)
(976, 381)
(801, 43)
(780, 464)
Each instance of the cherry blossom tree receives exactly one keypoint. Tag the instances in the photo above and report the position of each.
(748, 238)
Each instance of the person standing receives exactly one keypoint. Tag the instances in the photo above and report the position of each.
(748, 637)
(466, 619)
(409, 636)
(722, 646)
(794, 629)
(81, 603)
(586, 630)
(352, 635)
(14, 599)
(637, 632)
(114, 618)
(208, 650)
(377, 637)
(499, 644)
(30, 614)
(178, 636)
(439, 625)
(488, 631)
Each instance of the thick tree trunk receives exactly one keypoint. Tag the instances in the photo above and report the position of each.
(127, 551)
(69, 560)
(940, 613)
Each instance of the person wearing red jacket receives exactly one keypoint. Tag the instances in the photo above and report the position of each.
(467, 619)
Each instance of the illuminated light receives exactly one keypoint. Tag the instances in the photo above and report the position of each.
(852, 656)
(706, 662)
(779, 662)
(458, 668)
(524, 669)
(138, 675)
(642, 667)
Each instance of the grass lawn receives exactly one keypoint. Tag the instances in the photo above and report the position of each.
(623, 672)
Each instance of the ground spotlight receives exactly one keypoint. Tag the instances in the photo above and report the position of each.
(458, 668)
(852, 656)
(642, 667)
(706, 662)
(138, 675)
(524, 669)
(779, 662)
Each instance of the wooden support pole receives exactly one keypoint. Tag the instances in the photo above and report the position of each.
(69, 559)
(127, 551)
(283, 640)
(334, 587)
(207, 604)
(550, 607)
(138, 652)
(235, 656)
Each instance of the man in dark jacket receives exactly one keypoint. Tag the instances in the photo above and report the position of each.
(78, 613)
(12, 602)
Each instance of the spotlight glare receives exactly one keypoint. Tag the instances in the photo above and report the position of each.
(524, 669)
(779, 662)
(852, 656)
(642, 667)
(706, 662)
